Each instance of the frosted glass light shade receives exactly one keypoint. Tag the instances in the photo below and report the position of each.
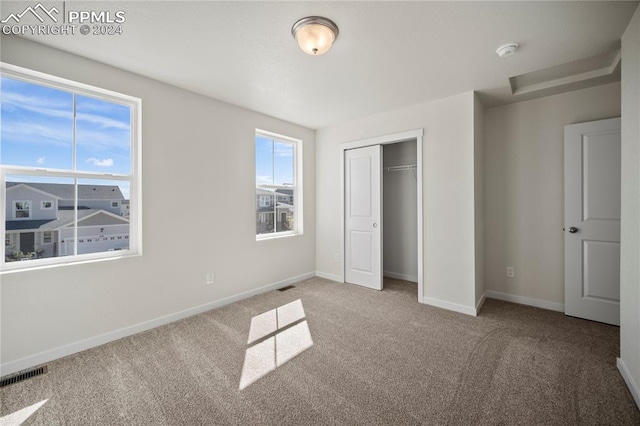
(315, 34)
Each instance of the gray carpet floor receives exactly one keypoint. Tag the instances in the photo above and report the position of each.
(363, 357)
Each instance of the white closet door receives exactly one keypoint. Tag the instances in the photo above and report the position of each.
(363, 214)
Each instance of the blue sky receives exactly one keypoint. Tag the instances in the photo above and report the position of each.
(270, 153)
(36, 130)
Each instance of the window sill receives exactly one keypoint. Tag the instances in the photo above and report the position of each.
(275, 236)
(9, 268)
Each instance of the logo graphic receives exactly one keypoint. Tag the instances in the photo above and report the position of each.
(34, 11)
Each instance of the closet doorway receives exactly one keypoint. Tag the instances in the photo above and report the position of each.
(382, 220)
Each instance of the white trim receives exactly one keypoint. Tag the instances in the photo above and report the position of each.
(469, 310)
(385, 139)
(405, 277)
(48, 80)
(72, 348)
(330, 277)
(418, 135)
(633, 387)
(552, 306)
(481, 302)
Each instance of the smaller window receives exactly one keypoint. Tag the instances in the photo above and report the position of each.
(46, 237)
(115, 204)
(7, 240)
(46, 205)
(265, 201)
(22, 209)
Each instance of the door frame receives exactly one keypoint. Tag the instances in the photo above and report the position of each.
(409, 135)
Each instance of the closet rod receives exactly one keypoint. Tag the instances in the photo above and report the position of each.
(401, 168)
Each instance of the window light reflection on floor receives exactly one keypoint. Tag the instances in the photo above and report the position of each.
(18, 417)
(291, 338)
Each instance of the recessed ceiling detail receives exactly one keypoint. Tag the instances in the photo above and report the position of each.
(591, 71)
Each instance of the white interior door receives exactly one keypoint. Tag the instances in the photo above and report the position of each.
(592, 220)
(363, 214)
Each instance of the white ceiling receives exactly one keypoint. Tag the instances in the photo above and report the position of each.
(388, 55)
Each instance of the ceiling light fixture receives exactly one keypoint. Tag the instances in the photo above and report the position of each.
(507, 50)
(315, 34)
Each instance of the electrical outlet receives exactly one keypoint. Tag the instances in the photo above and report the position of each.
(210, 277)
(336, 257)
(511, 272)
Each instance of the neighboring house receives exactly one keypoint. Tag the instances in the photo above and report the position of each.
(39, 220)
(269, 203)
(125, 208)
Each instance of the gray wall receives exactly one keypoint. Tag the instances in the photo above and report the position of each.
(524, 181)
(400, 219)
(448, 190)
(194, 149)
(630, 232)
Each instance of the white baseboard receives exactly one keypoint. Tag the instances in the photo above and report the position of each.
(69, 349)
(329, 276)
(469, 310)
(481, 302)
(552, 306)
(411, 278)
(633, 387)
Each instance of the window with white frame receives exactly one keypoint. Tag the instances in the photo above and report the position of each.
(115, 204)
(22, 209)
(278, 173)
(69, 142)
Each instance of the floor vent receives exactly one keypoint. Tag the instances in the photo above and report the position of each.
(289, 287)
(24, 375)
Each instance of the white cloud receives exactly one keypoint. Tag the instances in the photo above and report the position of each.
(107, 162)
(40, 160)
(283, 150)
(264, 180)
(103, 122)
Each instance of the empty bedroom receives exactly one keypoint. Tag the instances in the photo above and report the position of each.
(309, 212)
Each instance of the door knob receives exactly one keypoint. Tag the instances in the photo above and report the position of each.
(375, 225)
(573, 230)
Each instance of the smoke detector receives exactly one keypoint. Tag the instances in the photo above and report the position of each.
(507, 49)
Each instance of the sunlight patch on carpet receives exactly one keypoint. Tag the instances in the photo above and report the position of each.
(18, 417)
(287, 342)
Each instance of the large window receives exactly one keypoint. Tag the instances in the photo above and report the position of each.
(278, 185)
(73, 151)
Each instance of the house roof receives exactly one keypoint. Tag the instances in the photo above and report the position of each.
(21, 225)
(65, 218)
(66, 191)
